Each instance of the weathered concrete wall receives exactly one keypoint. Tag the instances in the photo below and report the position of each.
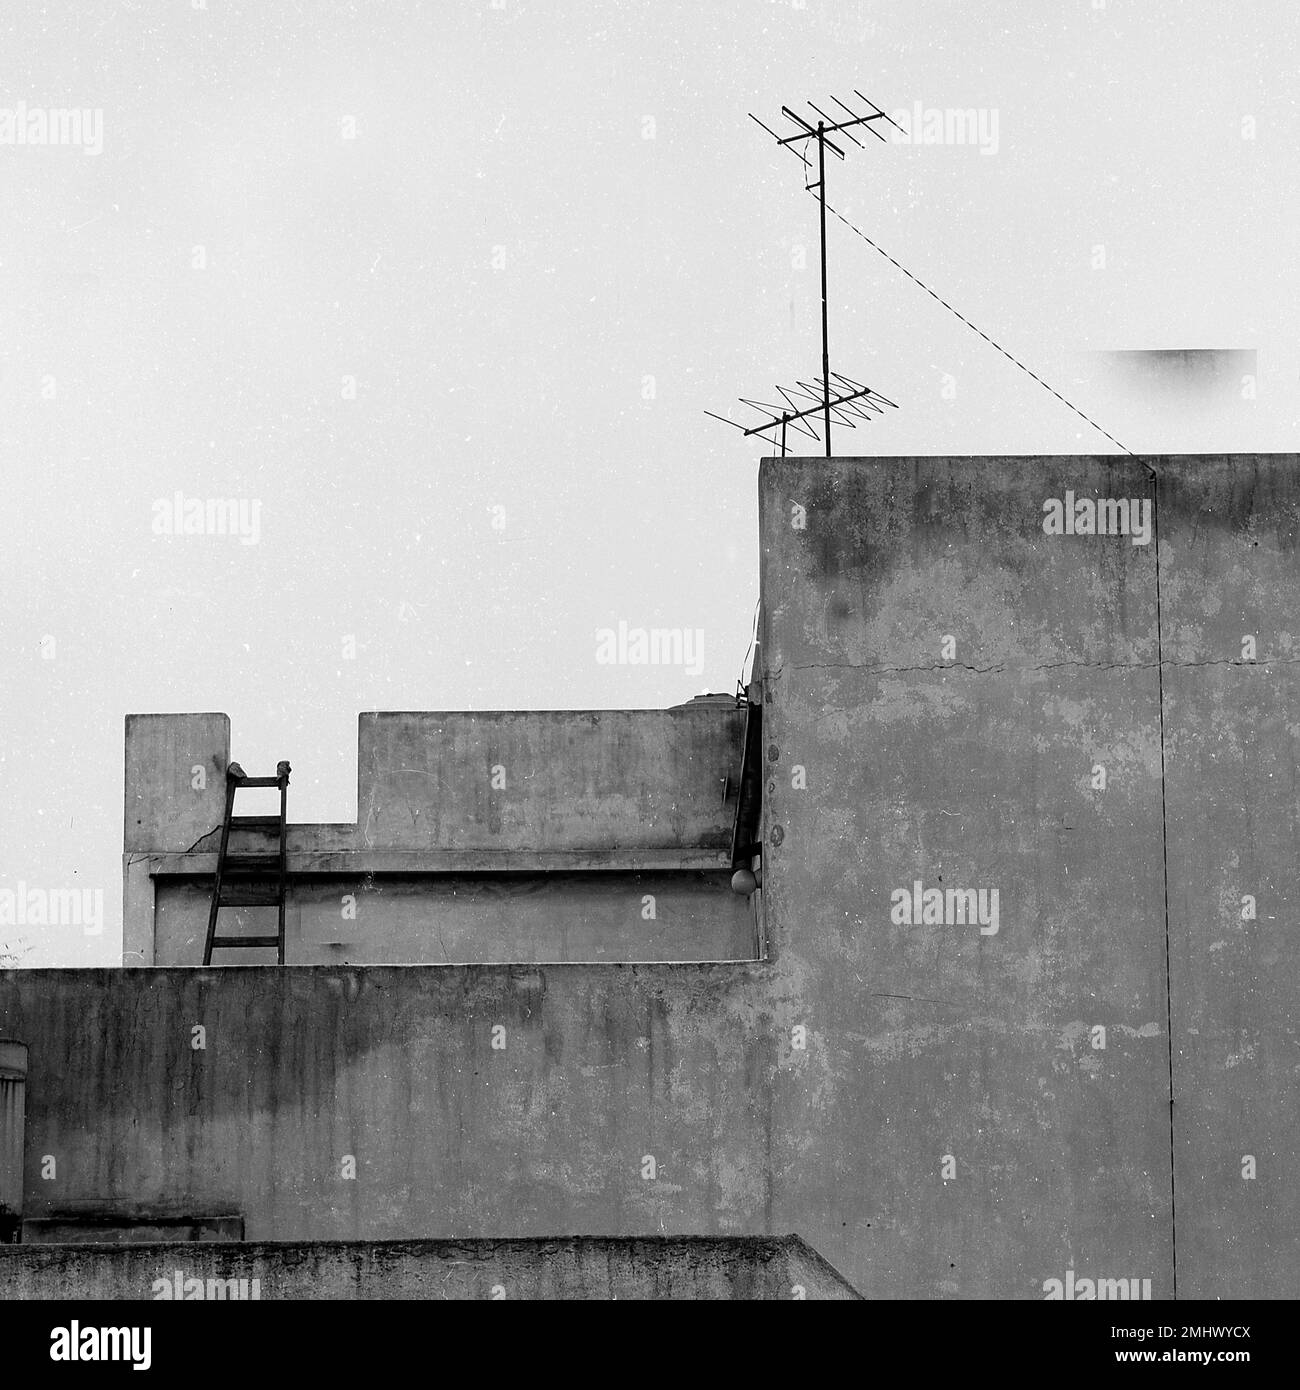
(581, 781)
(566, 780)
(981, 765)
(175, 778)
(13, 1112)
(654, 1268)
(90, 1224)
(450, 919)
(596, 1069)
(1230, 571)
(589, 813)
(950, 1129)
(940, 1109)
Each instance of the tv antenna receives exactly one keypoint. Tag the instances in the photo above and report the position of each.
(851, 399)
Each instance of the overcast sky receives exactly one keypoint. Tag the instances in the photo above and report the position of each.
(541, 240)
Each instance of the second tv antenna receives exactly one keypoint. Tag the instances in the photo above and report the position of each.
(834, 395)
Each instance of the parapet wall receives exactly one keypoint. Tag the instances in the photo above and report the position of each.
(541, 836)
(571, 783)
(695, 1268)
(586, 782)
(390, 1103)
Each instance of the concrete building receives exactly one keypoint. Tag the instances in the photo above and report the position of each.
(483, 838)
(1012, 1014)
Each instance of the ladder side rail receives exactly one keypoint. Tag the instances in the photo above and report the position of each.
(231, 785)
(284, 857)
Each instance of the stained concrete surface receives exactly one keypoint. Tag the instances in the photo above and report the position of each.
(579, 780)
(584, 779)
(608, 835)
(89, 1224)
(1230, 570)
(934, 1108)
(595, 1069)
(442, 919)
(707, 1268)
(950, 1129)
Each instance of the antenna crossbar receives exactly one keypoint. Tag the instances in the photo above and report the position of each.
(846, 400)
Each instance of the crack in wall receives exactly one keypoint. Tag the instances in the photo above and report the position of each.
(1164, 858)
(919, 999)
(1159, 664)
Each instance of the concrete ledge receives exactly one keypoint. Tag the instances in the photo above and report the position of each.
(123, 1226)
(563, 1268)
(499, 918)
(480, 861)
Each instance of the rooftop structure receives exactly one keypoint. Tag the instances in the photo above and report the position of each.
(1014, 985)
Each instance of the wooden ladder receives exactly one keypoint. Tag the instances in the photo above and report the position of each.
(244, 879)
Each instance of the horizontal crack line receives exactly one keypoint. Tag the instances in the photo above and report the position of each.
(1044, 666)
(918, 999)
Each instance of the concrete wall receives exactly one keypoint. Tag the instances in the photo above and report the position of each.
(13, 1113)
(969, 771)
(90, 1224)
(940, 1110)
(175, 779)
(581, 781)
(597, 1067)
(614, 780)
(978, 766)
(454, 918)
(1230, 570)
(657, 1267)
(546, 836)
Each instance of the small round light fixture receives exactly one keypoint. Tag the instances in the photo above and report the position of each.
(743, 882)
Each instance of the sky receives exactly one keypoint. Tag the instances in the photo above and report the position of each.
(438, 294)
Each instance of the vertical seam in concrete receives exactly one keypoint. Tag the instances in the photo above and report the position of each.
(1164, 856)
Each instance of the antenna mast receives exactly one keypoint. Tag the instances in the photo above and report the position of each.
(859, 397)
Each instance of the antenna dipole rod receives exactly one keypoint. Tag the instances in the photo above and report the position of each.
(817, 393)
(826, 351)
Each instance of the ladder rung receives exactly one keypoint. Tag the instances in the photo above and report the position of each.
(246, 896)
(257, 782)
(257, 941)
(250, 862)
(255, 822)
